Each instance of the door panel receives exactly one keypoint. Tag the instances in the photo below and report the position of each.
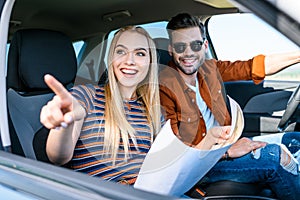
(263, 105)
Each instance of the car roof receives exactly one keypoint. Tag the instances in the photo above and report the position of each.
(80, 19)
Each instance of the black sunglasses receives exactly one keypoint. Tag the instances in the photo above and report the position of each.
(180, 47)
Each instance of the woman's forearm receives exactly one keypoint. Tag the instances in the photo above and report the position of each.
(61, 142)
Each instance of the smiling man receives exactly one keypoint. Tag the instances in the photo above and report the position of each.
(193, 97)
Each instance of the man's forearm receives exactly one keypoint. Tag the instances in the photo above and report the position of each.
(277, 62)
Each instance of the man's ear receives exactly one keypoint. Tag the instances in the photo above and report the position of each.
(206, 46)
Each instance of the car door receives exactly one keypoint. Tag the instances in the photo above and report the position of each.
(240, 37)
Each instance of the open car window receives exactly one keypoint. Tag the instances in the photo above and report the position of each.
(242, 36)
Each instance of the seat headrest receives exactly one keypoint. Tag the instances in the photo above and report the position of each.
(162, 50)
(34, 53)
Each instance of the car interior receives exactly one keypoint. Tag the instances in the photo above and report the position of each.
(41, 37)
(27, 91)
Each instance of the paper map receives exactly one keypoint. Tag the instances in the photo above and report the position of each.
(172, 168)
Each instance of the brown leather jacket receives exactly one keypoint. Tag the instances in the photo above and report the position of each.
(179, 101)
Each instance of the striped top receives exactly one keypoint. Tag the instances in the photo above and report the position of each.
(89, 157)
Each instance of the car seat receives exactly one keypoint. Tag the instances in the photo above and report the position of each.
(221, 189)
(32, 54)
(162, 51)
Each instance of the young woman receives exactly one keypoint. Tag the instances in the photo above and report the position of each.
(106, 130)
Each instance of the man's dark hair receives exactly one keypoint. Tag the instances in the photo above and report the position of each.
(184, 20)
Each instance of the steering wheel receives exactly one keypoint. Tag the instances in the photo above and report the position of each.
(290, 109)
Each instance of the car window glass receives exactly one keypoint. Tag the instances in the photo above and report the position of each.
(90, 67)
(242, 36)
(77, 46)
(13, 193)
(156, 29)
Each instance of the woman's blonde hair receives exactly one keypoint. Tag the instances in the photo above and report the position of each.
(116, 125)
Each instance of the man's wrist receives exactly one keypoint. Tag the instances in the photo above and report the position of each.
(226, 156)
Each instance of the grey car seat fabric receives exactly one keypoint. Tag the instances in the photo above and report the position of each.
(32, 54)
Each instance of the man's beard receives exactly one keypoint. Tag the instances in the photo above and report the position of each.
(196, 68)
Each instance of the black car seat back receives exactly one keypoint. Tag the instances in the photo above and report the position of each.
(32, 54)
(162, 51)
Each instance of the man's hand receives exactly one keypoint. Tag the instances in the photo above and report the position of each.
(218, 134)
(63, 109)
(244, 146)
(215, 135)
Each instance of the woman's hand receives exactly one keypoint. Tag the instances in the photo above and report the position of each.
(63, 109)
(244, 146)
